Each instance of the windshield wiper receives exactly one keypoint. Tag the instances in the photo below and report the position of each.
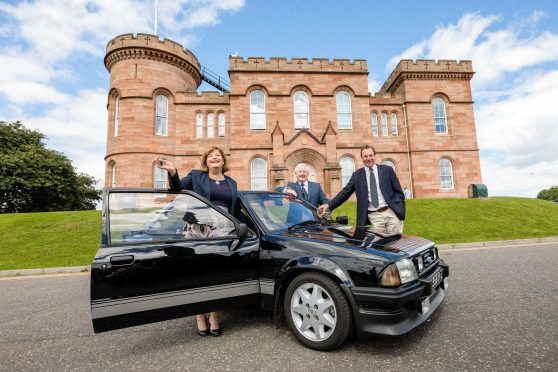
(305, 223)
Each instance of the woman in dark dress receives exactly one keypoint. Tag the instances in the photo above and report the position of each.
(211, 183)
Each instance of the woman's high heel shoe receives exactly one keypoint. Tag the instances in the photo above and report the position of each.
(215, 332)
(204, 333)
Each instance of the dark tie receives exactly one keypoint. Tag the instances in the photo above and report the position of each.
(303, 192)
(373, 190)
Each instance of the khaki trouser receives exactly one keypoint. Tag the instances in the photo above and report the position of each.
(385, 223)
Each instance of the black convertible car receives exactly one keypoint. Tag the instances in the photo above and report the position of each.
(166, 255)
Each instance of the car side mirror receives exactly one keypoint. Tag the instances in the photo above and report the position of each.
(342, 220)
(242, 230)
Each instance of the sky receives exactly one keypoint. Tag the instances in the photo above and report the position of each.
(52, 76)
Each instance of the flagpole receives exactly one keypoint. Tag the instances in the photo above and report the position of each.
(155, 25)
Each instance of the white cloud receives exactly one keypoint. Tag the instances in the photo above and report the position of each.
(28, 92)
(374, 85)
(515, 116)
(518, 179)
(494, 53)
(179, 16)
(56, 28)
(78, 128)
(522, 125)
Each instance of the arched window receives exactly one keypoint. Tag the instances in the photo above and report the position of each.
(384, 124)
(344, 115)
(161, 121)
(210, 125)
(440, 123)
(257, 110)
(221, 125)
(389, 163)
(347, 168)
(199, 125)
(446, 174)
(394, 131)
(259, 174)
(160, 178)
(301, 115)
(375, 123)
(116, 115)
(113, 175)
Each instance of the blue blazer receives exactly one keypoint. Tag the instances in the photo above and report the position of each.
(389, 185)
(198, 182)
(316, 195)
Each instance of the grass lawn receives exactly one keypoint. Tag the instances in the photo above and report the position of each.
(474, 220)
(56, 239)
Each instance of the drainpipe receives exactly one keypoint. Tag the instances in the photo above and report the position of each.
(411, 183)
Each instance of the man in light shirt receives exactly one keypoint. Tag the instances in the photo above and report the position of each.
(380, 199)
(307, 190)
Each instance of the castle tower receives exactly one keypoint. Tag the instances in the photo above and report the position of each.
(146, 74)
(442, 146)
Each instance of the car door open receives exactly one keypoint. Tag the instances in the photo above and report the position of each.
(165, 255)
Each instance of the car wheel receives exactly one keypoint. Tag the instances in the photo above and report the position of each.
(317, 311)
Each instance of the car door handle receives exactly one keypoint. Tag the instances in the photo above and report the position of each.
(122, 260)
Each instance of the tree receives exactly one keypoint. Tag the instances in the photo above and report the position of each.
(549, 194)
(36, 179)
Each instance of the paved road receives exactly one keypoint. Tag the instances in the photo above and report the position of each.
(501, 314)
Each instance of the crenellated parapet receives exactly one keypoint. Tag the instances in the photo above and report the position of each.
(427, 69)
(145, 46)
(279, 64)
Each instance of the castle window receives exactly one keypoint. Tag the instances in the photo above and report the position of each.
(210, 125)
(347, 168)
(301, 116)
(375, 123)
(446, 174)
(221, 125)
(384, 124)
(389, 163)
(344, 115)
(161, 121)
(394, 131)
(440, 123)
(199, 125)
(113, 175)
(259, 174)
(257, 110)
(160, 178)
(116, 115)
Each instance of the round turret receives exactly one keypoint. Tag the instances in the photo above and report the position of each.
(145, 75)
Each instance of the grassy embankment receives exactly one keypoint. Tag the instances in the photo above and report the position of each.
(36, 240)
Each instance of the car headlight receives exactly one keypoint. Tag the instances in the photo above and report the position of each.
(401, 272)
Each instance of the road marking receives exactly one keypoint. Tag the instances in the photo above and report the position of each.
(40, 276)
(532, 245)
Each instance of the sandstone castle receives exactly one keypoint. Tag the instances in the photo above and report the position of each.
(278, 112)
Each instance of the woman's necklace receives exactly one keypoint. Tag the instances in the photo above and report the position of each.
(216, 181)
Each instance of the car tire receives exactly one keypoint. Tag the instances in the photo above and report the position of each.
(317, 311)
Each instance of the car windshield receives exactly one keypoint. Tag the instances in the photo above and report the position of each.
(277, 211)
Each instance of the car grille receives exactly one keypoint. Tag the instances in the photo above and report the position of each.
(425, 260)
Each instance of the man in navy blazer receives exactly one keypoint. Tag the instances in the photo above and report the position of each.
(380, 199)
(307, 190)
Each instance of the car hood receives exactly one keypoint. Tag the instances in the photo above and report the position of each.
(359, 238)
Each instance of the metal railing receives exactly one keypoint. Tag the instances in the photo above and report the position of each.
(215, 80)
